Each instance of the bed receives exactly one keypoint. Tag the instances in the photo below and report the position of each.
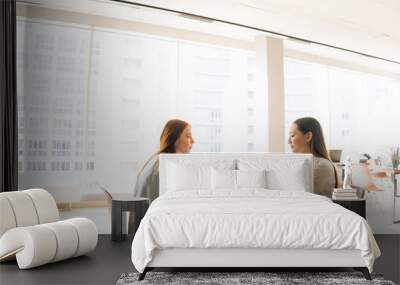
(247, 210)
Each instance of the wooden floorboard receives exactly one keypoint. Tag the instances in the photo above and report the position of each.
(111, 259)
(103, 266)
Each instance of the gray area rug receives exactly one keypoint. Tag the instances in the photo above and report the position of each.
(225, 278)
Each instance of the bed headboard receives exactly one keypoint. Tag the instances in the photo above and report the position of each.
(287, 167)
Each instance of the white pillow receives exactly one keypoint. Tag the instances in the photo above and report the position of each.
(293, 179)
(187, 177)
(223, 179)
(282, 174)
(251, 178)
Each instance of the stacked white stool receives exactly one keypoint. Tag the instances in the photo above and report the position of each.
(31, 232)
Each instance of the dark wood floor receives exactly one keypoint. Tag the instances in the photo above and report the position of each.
(102, 266)
(110, 260)
(389, 262)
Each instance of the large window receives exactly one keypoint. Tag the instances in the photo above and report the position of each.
(358, 111)
(93, 101)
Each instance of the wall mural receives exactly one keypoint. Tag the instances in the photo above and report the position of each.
(71, 76)
(382, 194)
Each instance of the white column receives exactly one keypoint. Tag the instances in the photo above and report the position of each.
(269, 53)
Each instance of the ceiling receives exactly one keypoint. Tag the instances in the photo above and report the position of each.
(367, 26)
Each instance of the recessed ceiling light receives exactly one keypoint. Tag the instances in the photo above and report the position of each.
(28, 2)
(197, 18)
(300, 41)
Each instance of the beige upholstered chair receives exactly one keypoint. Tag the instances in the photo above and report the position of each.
(30, 230)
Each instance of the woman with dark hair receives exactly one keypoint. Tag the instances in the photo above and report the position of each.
(176, 137)
(306, 136)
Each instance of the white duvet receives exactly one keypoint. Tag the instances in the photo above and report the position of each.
(250, 218)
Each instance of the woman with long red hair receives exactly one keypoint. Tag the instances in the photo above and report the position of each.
(176, 137)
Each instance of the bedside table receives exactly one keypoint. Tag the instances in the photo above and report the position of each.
(356, 205)
(122, 203)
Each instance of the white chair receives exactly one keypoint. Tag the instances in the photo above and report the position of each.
(31, 232)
